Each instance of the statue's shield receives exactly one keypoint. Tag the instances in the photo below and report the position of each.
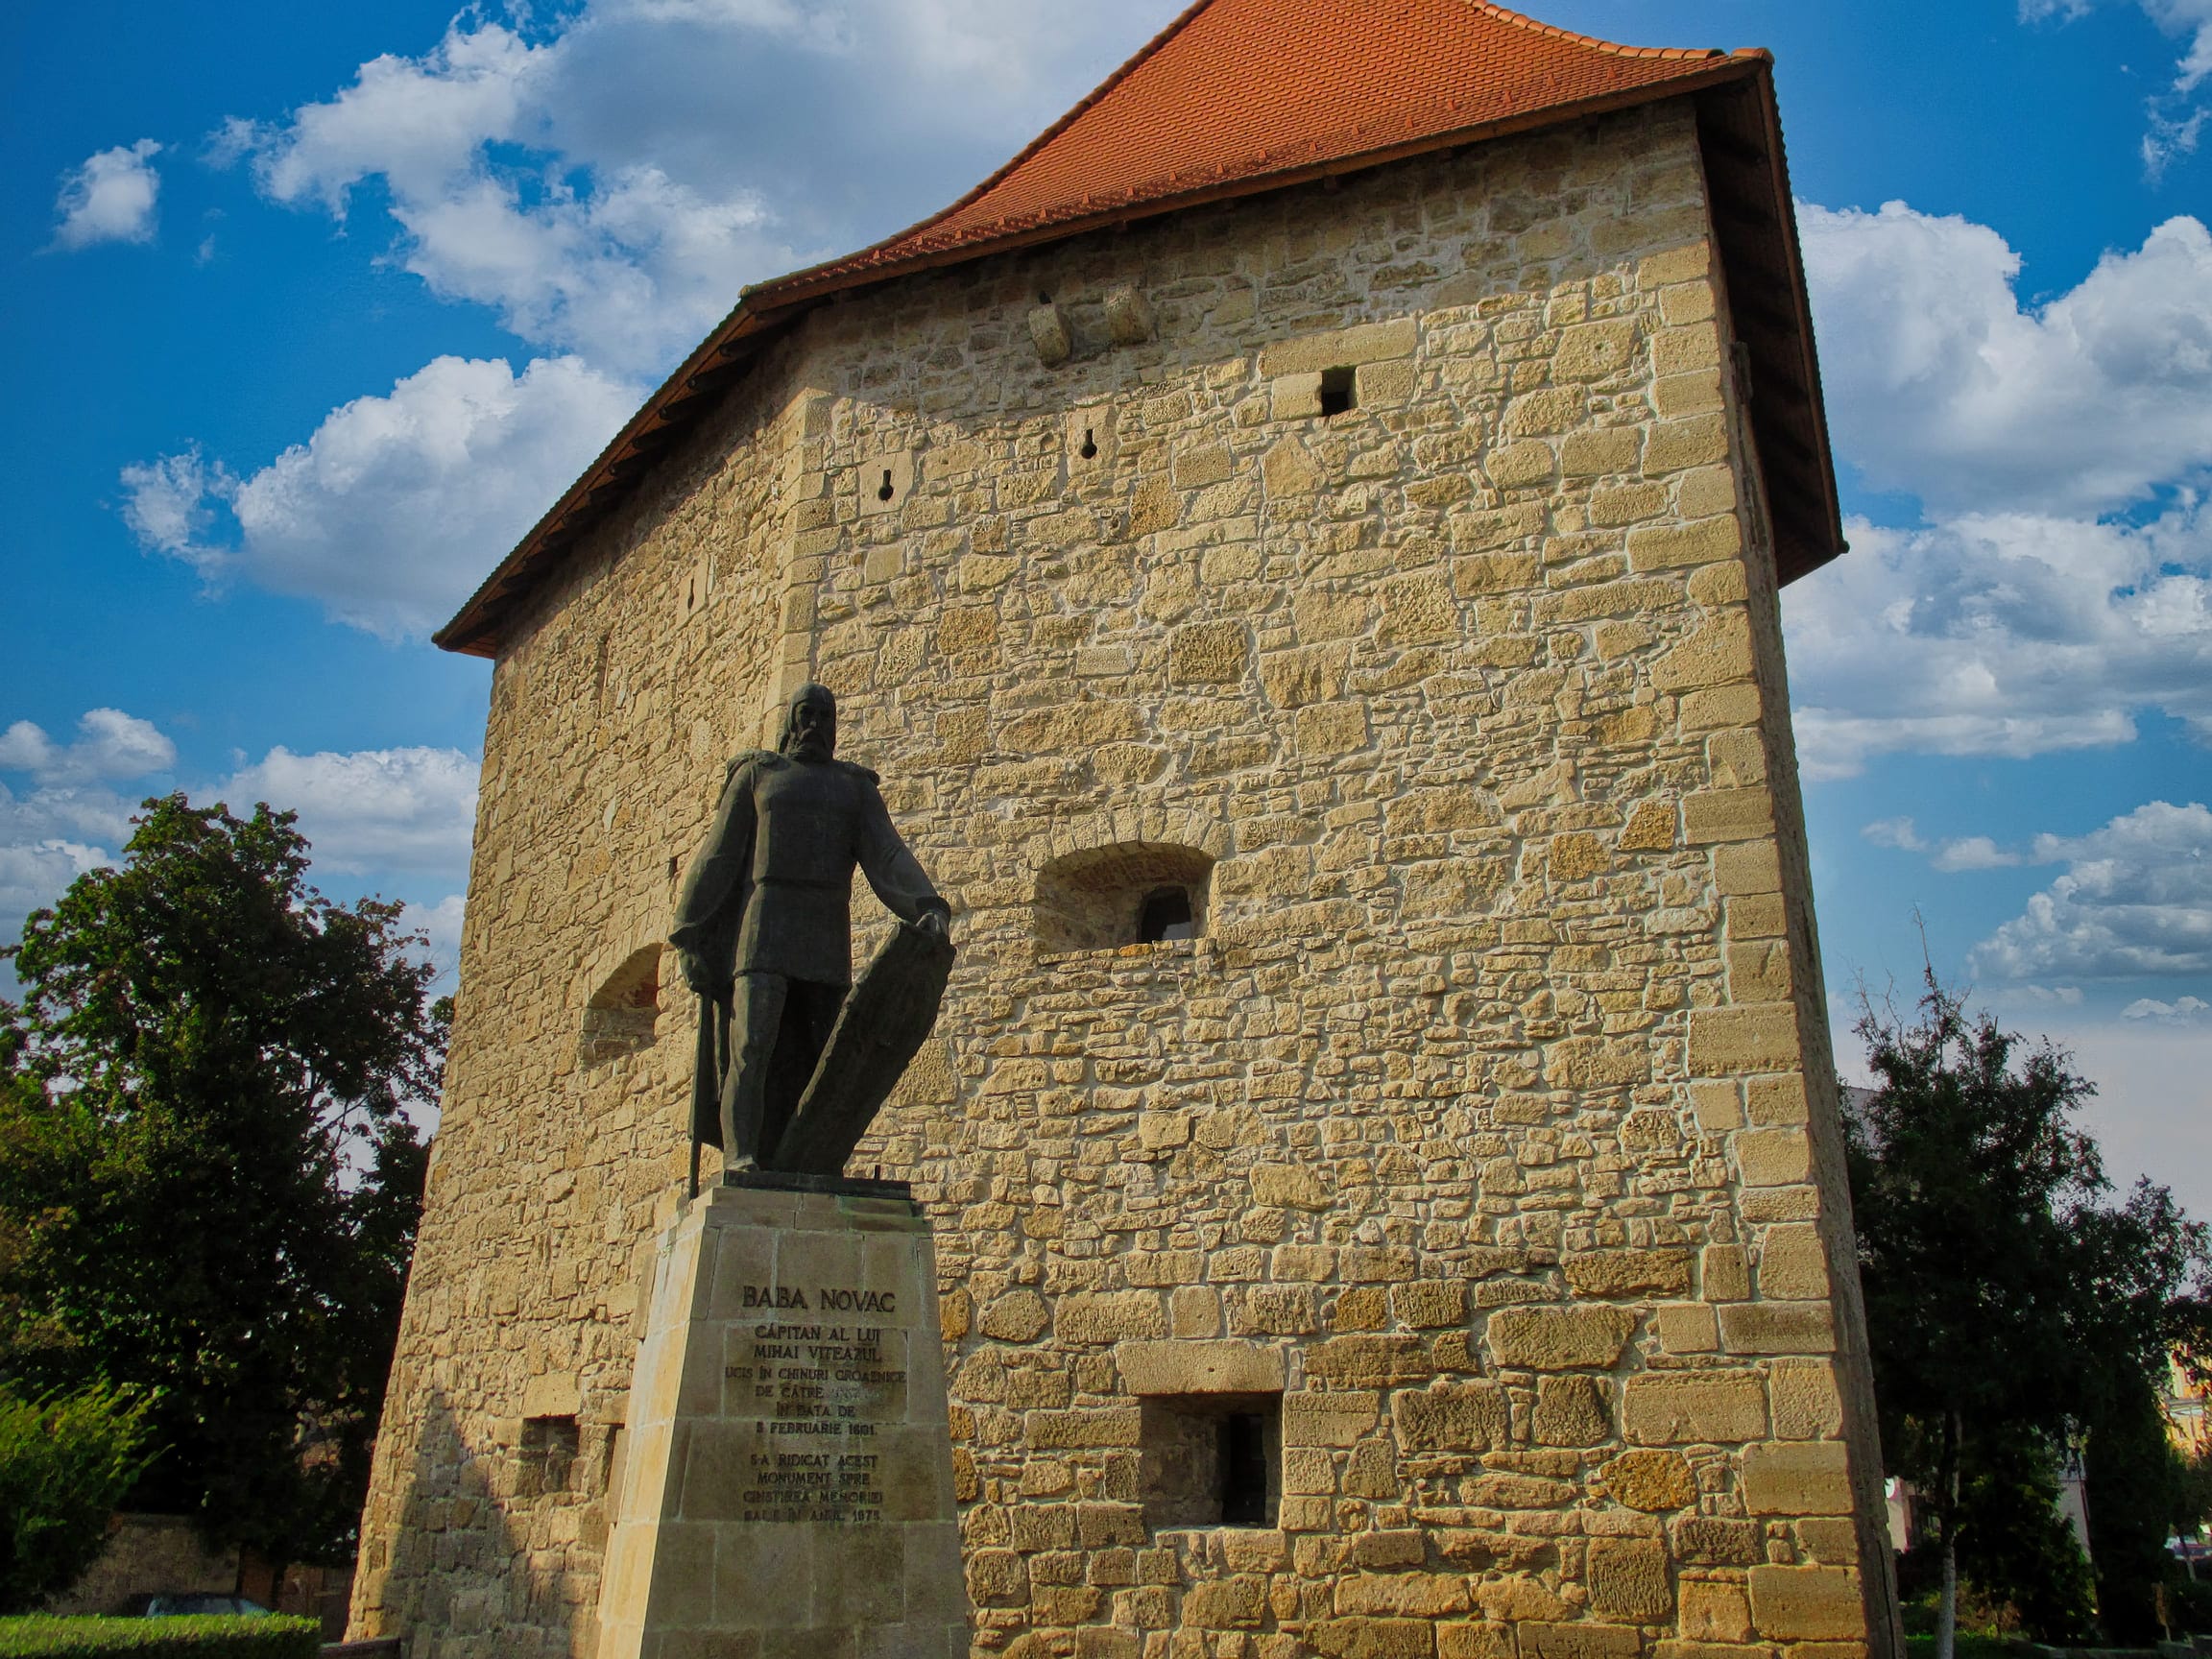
(882, 1025)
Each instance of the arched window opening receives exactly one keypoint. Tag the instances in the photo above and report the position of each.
(1131, 893)
(620, 1018)
(1166, 915)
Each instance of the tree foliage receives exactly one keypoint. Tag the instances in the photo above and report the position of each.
(2008, 1302)
(207, 1186)
(65, 1462)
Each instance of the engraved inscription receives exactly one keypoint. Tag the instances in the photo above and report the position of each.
(814, 1393)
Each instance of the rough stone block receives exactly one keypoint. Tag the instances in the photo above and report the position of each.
(1685, 1327)
(1374, 1639)
(1572, 1411)
(1630, 1578)
(1708, 1541)
(1338, 1417)
(1695, 440)
(1778, 1327)
(1727, 1041)
(1515, 466)
(1402, 1595)
(1653, 1481)
(1746, 868)
(1595, 350)
(1238, 1603)
(1474, 1639)
(1805, 1402)
(1289, 1186)
(1341, 348)
(1768, 1157)
(1224, 1366)
(1797, 1477)
(1559, 1338)
(1369, 1362)
(1627, 1272)
(1584, 1638)
(1207, 654)
(1694, 1408)
(1793, 1263)
(1450, 1417)
(1672, 546)
(1807, 1603)
(1711, 815)
(1328, 729)
(1428, 1303)
(1594, 452)
(1714, 1611)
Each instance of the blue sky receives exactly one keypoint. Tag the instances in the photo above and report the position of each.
(308, 312)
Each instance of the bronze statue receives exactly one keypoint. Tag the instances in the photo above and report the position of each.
(792, 1064)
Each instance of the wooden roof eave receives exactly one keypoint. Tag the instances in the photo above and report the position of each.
(1755, 231)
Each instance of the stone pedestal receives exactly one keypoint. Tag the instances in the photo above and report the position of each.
(787, 1482)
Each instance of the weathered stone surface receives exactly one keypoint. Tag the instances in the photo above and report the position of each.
(1450, 1417)
(1571, 1412)
(1671, 1408)
(1190, 1367)
(1653, 1481)
(1797, 1477)
(1714, 1611)
(1559, 1338)
(1630, 1578)
(1805, 1603)
(1602, 1273)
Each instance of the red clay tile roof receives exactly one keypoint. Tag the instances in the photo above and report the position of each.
(1236, 97)
(1236, 90)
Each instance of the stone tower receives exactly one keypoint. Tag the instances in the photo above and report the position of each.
(1302, 545)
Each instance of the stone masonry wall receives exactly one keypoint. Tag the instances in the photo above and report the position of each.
(1491, 1120)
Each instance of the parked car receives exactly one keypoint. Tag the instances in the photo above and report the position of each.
(201, 1601)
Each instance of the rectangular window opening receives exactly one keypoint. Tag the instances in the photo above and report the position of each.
(549, 1448)
(1340, 392)
(1211, 1459)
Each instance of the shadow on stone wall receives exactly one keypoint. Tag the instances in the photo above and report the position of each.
(492, 1549)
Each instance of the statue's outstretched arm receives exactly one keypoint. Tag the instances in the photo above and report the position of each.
(890, 866)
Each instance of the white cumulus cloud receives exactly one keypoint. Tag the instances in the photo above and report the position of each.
(2061, 580)
(73, 818)
(604, 183)
(1940, 383)
(411, 810)
(396, 506)
(2008, 634)
(110, 744)
(109, 199)
(2135, 900)
(2181, 1010)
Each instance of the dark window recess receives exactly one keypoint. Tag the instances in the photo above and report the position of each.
(884, 491)
(1166, 915)
(1244, 1436)
(1090, 445)
(1211, 1459)
(549, 1448)
(1338, 391)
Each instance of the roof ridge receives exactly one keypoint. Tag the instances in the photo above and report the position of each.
(1143, 53)
(1521, 19)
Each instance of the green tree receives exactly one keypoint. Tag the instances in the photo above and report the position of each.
(207, 1186)
(2006, 1302)
(64, 1463)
